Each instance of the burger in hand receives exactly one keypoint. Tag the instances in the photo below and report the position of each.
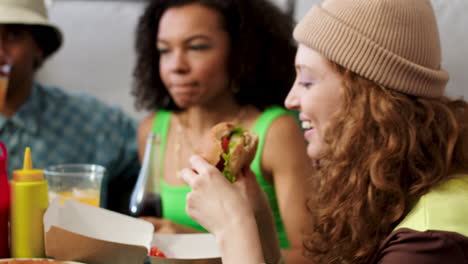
(230, 148)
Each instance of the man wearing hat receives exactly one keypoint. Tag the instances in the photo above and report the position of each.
(59, 127)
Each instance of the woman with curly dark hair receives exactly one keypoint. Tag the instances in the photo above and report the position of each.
(390, 150)
(201, 62)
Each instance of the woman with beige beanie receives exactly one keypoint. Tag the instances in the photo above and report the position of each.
(390, 150)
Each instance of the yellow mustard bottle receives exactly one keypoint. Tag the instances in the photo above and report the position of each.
(29, 201)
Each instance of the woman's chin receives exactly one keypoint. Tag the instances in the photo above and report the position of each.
(183, 103)
(314, 150)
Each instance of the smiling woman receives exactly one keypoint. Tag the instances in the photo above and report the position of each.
(318, 89)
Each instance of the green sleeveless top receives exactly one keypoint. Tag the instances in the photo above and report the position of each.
(173, 197)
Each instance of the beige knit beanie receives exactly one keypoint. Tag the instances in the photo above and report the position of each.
(394, 43)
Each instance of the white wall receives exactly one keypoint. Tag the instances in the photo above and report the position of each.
(98, 57)
(453, 21)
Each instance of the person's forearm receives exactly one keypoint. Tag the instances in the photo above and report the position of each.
(268, 236)
(240, 243)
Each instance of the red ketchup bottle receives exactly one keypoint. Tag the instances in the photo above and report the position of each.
(4, 204)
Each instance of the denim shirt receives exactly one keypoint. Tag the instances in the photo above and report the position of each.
(64, 128)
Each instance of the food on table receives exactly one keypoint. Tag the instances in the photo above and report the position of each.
(156, 252)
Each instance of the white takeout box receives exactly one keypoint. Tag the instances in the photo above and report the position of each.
(92, 235)
(84, 233)
(186, 249)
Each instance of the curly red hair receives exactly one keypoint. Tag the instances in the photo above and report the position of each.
(384, 151)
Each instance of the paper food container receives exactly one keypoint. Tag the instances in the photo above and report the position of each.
(186, 249)
(34, 260)
(92, 235)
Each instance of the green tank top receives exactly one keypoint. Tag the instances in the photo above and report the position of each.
(173, 197)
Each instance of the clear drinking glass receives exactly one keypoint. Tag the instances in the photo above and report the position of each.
(79, 182)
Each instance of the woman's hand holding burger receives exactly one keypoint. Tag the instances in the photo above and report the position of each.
(231, 206)
(224, 209)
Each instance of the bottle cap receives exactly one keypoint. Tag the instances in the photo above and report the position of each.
(3, 159)
(28, 173)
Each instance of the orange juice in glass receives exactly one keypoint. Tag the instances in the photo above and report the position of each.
(79, 182)
(90, 197)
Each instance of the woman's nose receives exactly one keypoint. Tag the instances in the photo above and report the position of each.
(179, 63)
(292, 101)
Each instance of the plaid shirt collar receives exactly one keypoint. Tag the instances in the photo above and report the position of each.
(28, 115)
